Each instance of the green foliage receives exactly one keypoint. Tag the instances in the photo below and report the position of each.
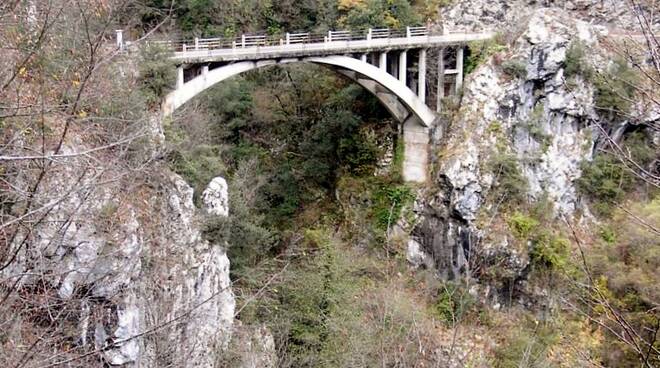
(616, 88)
(453, 303)
(627, 269)
(378, 14)
(480, 51)
(231, 110)
(396, 172)
(509, 181)
(157, 73)
(606, 180)
(317, 290)
(515, 68)
(388, 201)
(522, 225)
(245, 232)
(527, 346)
(359, 152)
(608, 235)
(576, 62)
(550, 251)
(282, 195)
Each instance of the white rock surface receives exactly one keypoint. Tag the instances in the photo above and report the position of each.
(500, 14)
(257, 347)
(416, 255)
(216, 197)
(132, 272)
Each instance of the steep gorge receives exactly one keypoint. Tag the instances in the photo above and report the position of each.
(118, 260)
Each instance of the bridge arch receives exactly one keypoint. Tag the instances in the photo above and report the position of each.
(404, 105)
(208, 78)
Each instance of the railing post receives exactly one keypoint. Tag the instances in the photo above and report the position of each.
(184, 47)
(329, 36)
(288, 38)
(243, 41)
(233, 44)
(363, 58)
(369, 34)
(196, 43)
(408, 32)
(120, 39)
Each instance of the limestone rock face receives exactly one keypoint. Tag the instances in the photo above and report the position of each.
(128, 272)
(496, 14)
(256, 347)
(216, 197)
(416, 256)
(540, 119)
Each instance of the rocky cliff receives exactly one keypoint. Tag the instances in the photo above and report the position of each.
(125, 258)
(522, 108)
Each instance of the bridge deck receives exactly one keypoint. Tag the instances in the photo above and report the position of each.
(202, 51)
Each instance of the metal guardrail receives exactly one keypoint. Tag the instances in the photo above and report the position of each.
(262, 40)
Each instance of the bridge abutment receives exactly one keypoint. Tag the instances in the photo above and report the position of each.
(416, 141)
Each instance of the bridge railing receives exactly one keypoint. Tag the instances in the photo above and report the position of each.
(262, 40)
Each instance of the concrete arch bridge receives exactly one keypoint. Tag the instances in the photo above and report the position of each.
(391, 64)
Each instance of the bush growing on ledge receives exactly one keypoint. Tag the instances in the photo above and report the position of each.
(509, 181)
(576, 63)
(480, 51)
(522, 225)
(615, 88)
(389, 200)
(549, 251)
(515, 68)
(453, 303)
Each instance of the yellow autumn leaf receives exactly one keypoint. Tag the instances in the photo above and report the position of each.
(75, 83)
(22, 72)
(82, 114)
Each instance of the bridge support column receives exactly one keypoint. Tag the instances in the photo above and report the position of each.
(179, 76)
(440, 93)
(459, 69)
(421, 87)
(205, 72)
(416, 138)
(382, 61)
(403, 67)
